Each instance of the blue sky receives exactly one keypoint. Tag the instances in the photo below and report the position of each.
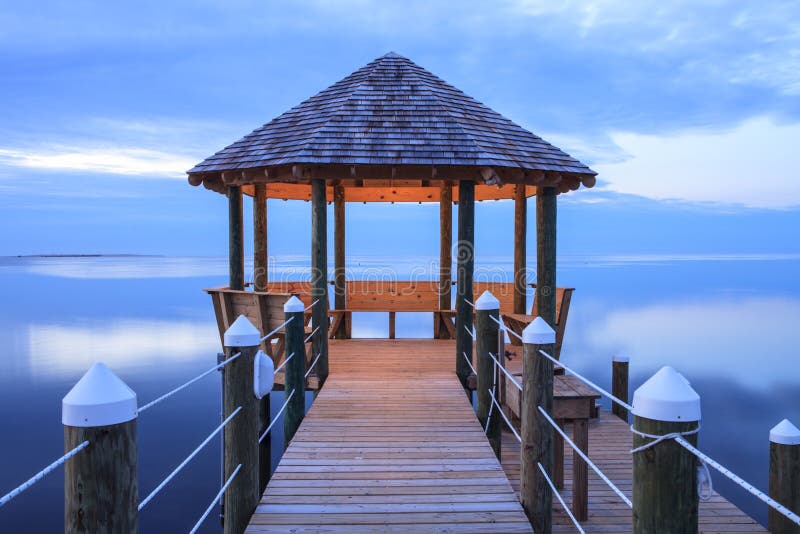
(689, 111)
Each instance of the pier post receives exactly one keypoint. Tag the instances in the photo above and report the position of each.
(546, 253)
(445, 256)
(486, 332)
(465, 257)
(339, 278)
(665, 497)
(319, 276)
(241, 434)
(295, 369)
(520, 246)
(101, 492)
(235, 238)
(260, 265)
(784, 475)
(535, 431)
(619, 385)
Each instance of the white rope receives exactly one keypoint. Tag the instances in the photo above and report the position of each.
(283, 363)
(500, 410)
(469, 302)
(312, 365)
(311, 305)
(586, 459)
(188, 459)
(277, 416)
(189, 383)
(560, 499)
(766, 499)
(469, 362)
(282, 325)
(588, 382)
(216, 498)
(308, 338)
(504, 328)
(41, 474)
(470, 332)
(658, 439)
(506, 372)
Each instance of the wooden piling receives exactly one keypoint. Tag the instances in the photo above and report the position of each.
(445, 254)
(465, 257)
(546, 254)
(295, 369)
(235, 238)
(665, 497)
(619, 385)
(265, 446)
(520, 246)
(319, 276)
(535, 431)
(487, 308)
(339, 279)
(784, 475)
(101, 491)
(241, 433)
(260, 269)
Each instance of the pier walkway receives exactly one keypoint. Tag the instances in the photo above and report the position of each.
(391, 444)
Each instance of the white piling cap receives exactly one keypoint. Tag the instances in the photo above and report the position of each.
(487, 301)
(667, 396)
(539, 333)
(294, 305)
(785, 433)
(620, 358)
(100, 398)
(242, 333)
(263, 375)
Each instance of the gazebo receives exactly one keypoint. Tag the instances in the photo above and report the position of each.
(394, 132)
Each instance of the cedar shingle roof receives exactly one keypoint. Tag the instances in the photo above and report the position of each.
(392, 112)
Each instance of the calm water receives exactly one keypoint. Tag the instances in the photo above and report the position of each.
(728, 323)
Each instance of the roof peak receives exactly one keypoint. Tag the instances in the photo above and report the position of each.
(392, 55)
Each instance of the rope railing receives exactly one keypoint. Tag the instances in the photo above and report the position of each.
(760, 495)
(311, 368)
(41, 474)
(585, 457)
(278, 329)
(277, 416)
(283, 363)
(189, 383)
(311, 305)
(216, 499)
(311, 335)
(508, 423)
(505, 372)
(560, 498)
(588, 382)
(470, 332)
(469, 362)
(504, 328)
(469, 302)
(187, 460)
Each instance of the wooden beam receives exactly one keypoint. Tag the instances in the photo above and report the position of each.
(319, 276)
(546, 254)
(464, 273)
(445, 255)
(235, 238)
(260, 265)
(339, 280)
(520, 247)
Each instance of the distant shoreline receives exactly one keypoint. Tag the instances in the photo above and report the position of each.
(87, 256)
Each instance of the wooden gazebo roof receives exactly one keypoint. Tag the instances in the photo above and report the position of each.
(391, 131)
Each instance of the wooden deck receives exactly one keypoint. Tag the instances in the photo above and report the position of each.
(392, 445)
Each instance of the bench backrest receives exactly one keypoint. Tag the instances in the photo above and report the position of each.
(503, 291)
(402, 296)
(563, 299)
(301, 290)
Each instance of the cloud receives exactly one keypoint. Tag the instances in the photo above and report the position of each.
(752, 164)
(109, 160)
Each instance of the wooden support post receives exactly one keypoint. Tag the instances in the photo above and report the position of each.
(486, 333)
(546, 254)
(784, 475)
(520, 247)
(392, 322)
(319, 276)
(445, 255)
(241, 433)
(101, 491)
(558, 457)
(339, 279)
(619, 385)
(295, 369)
(580, 470)
(535, 431)
(265, 446)
(464, 274)
(235, 238)
(665, 497)
(260, 265)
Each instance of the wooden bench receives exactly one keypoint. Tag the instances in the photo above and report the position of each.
(517, 322)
